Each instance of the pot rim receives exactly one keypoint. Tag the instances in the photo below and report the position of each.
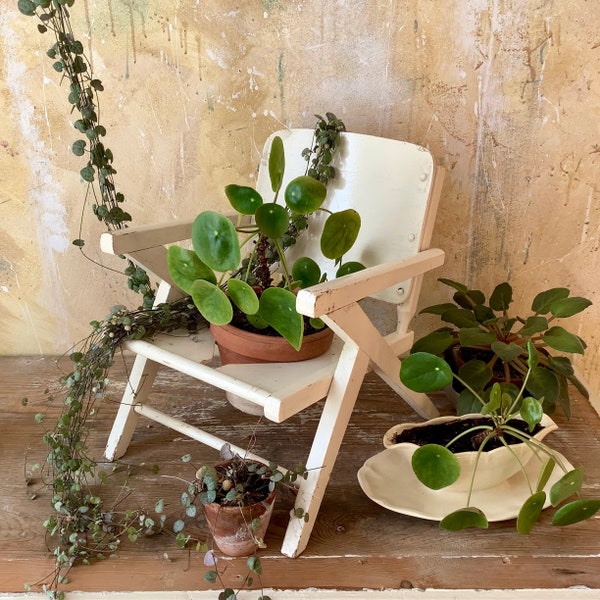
(547, 423)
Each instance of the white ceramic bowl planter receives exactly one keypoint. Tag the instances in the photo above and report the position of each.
(493, 467)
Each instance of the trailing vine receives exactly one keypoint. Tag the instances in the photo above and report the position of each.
(71, 62)
(81, 526)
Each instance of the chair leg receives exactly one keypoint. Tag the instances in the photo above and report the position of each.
(138, 387)
(347, 380)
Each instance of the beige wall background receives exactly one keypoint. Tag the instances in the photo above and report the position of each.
(505, 93)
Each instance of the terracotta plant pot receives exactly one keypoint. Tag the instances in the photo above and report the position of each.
(244, 347)
(494, 466)
(231, 528)
(237, 346)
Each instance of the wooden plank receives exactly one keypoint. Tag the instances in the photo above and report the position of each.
(355, 543)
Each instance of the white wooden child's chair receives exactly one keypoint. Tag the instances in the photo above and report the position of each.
(395, 187)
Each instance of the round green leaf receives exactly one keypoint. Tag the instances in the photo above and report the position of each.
(272, 220)
(339, 233)
(575, 511)
(215, 241)
(243, 199)
(464, 518)
(424, 372)
(185, 267)
(306, 271)
(278, 309)
(243, 296)
(435, 466)
(304, 195)
(350, 267)
(212, 302)
(276, 163)
(570, 483)
(530, 512)
(27, 7)
(569, 306)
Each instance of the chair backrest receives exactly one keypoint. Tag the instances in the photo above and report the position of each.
(387, 181)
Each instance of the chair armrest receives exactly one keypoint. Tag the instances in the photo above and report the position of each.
(323, 298)
(134, 239)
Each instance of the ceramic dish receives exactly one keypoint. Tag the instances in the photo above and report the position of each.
(387, 478)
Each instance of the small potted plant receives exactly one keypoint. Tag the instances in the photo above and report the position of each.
(237, 271)
(485, 344)
(504, 433)
(238, 495)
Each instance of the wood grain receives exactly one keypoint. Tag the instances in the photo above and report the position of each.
(355, 544)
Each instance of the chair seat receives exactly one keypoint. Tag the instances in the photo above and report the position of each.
(281, 389)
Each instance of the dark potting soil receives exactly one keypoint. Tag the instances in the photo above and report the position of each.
(442, 433)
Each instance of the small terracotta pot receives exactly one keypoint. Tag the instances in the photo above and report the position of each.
(244, 347)
(494, 466)
(231, 528)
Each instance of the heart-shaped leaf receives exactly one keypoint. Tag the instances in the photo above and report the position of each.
(501, 297)
(476, 373)
(569, 306)
(473, 336)
(506, 352)
(543, 301)
(560, 339)
(435, 466)
(460, 317)
(542, 383)
(463, 519)
(534, 325)
(435, 342)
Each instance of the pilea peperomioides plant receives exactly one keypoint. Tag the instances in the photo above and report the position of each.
(230, 269)
(485, 344)
(437, 467)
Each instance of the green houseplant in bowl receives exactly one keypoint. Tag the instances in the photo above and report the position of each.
(238, 271)
(508, 415)
(484, 343)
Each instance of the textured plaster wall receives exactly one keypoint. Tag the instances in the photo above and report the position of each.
(506, 94)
